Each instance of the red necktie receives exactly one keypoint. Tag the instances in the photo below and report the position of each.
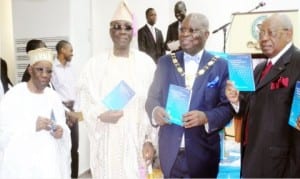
(266, 70)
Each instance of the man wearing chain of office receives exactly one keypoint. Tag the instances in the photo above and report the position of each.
(193, 149)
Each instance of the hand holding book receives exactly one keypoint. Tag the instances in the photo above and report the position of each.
(240, 67)
(160, 116)
(43, 123)
(194, 118)
(232, 93)
(178, 103)
(111, 116)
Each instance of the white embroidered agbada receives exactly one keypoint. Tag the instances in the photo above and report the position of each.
(116, 149)
(26, 152)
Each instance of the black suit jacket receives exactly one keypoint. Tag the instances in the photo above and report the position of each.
(172, 33)
(4, 77)
(273, 147)
(147, 44)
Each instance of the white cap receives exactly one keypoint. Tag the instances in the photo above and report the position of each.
(40, 54)
(123, 13)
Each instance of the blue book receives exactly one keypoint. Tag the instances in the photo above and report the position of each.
(240, 68)
(178, 103)
(119, 96)
(295, 109)
(53, 125)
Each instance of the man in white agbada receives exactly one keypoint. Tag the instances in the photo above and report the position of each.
(117, 136)
(34, 138)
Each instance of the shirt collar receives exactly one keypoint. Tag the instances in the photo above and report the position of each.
(58, 64)
(150, 26)
(276, 58)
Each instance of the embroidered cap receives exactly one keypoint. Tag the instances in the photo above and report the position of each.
(123, 13)
(40, 54)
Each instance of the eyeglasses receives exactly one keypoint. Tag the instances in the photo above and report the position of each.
(41, 70)
(119, 27)
(270, 33)
(188, 30)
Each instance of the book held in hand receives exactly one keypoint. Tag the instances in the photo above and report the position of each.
(240, 68)
(119, 96)
(295, 108)
(178, 103)
(53, 124)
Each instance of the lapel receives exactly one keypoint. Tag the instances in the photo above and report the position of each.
(199, 79)
(149, 33)
(180, 79)
(276, 70)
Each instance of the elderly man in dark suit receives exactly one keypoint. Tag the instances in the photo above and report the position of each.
(150, 38)
(270, 147)
(173, 29)
(4, 76)
(191, 150)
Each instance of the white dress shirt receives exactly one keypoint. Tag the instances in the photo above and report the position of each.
(64, 80)
(152, 30)
(191, 64)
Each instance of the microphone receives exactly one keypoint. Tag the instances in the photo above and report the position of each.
(261, 4)
(222, 27)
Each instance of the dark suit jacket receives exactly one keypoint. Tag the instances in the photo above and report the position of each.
(146, 43)
(172, 33)
(4, 77)
(273, 147)
(202, 148)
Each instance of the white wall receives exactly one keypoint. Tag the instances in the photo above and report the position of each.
(81, 41)
(41, 18)
(6, 37)
(218, 12)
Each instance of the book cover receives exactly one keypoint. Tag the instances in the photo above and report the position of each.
(240, 68)
(178, 103)
(53, 124)
(119, 96)
(295, 108)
